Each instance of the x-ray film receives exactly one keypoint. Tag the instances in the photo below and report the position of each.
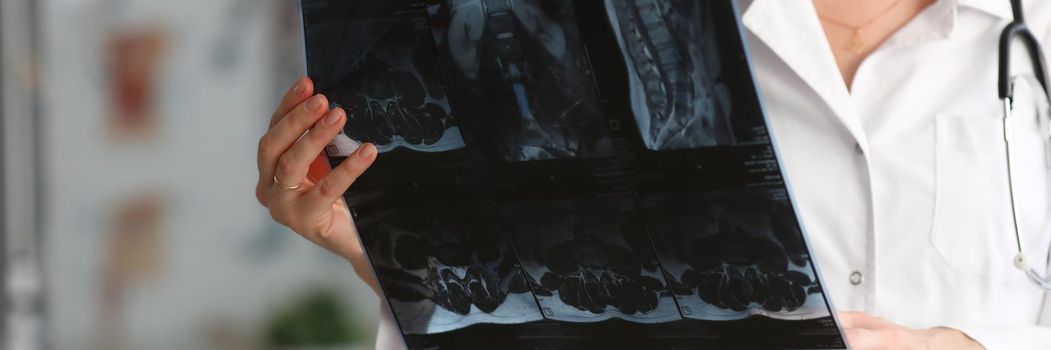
(567, 174)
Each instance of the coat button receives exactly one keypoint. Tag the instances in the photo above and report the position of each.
(856, 278)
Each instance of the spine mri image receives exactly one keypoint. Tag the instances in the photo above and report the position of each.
(519, 70)
(674, 69)
(386, 77)
(734, 254)
(565, 174)
(447, 267)
(589, 260)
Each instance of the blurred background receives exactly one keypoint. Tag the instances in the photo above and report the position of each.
(128, 131)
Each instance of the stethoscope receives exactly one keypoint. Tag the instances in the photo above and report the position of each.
(1018, 30)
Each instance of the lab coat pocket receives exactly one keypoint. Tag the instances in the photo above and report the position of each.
(972, 228)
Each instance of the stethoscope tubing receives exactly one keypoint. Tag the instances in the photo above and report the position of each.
(1017, 30)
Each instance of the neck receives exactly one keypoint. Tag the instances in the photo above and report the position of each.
(854, 29)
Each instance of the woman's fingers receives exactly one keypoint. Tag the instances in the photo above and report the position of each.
(288, 130)
(846, 319)
(294, 165)
(331, 188)
(864, 339)
(854, 319)
(299, 92)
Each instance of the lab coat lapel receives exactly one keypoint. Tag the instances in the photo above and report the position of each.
(791, 29)
(1001, 9)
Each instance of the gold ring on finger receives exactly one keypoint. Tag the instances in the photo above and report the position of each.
(286, 187)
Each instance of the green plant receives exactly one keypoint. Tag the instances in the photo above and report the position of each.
(316, 318)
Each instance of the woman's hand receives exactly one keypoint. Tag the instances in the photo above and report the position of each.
(867, 332)
(312, 206)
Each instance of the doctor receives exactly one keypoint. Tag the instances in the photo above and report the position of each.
(887, 119)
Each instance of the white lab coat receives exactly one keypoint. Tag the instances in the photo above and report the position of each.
(901, 180)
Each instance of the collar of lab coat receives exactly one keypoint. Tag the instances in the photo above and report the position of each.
(792, 30)
(998, 8)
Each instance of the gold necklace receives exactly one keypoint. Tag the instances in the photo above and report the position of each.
(857, 43)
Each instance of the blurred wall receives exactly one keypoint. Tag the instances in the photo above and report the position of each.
(150, 234)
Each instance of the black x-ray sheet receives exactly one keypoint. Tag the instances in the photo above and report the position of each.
(567, 174)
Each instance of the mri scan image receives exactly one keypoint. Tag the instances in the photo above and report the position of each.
(566, 174)
(518, 69)
(734, 254)
(447, 267)
(384, 73)
(674, 68)
(589, 261)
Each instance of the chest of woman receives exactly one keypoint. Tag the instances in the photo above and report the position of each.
(902, 182)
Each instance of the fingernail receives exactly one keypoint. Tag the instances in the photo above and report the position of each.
(315, 103)
(334, 116)
(367, 150)
(300, 86)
